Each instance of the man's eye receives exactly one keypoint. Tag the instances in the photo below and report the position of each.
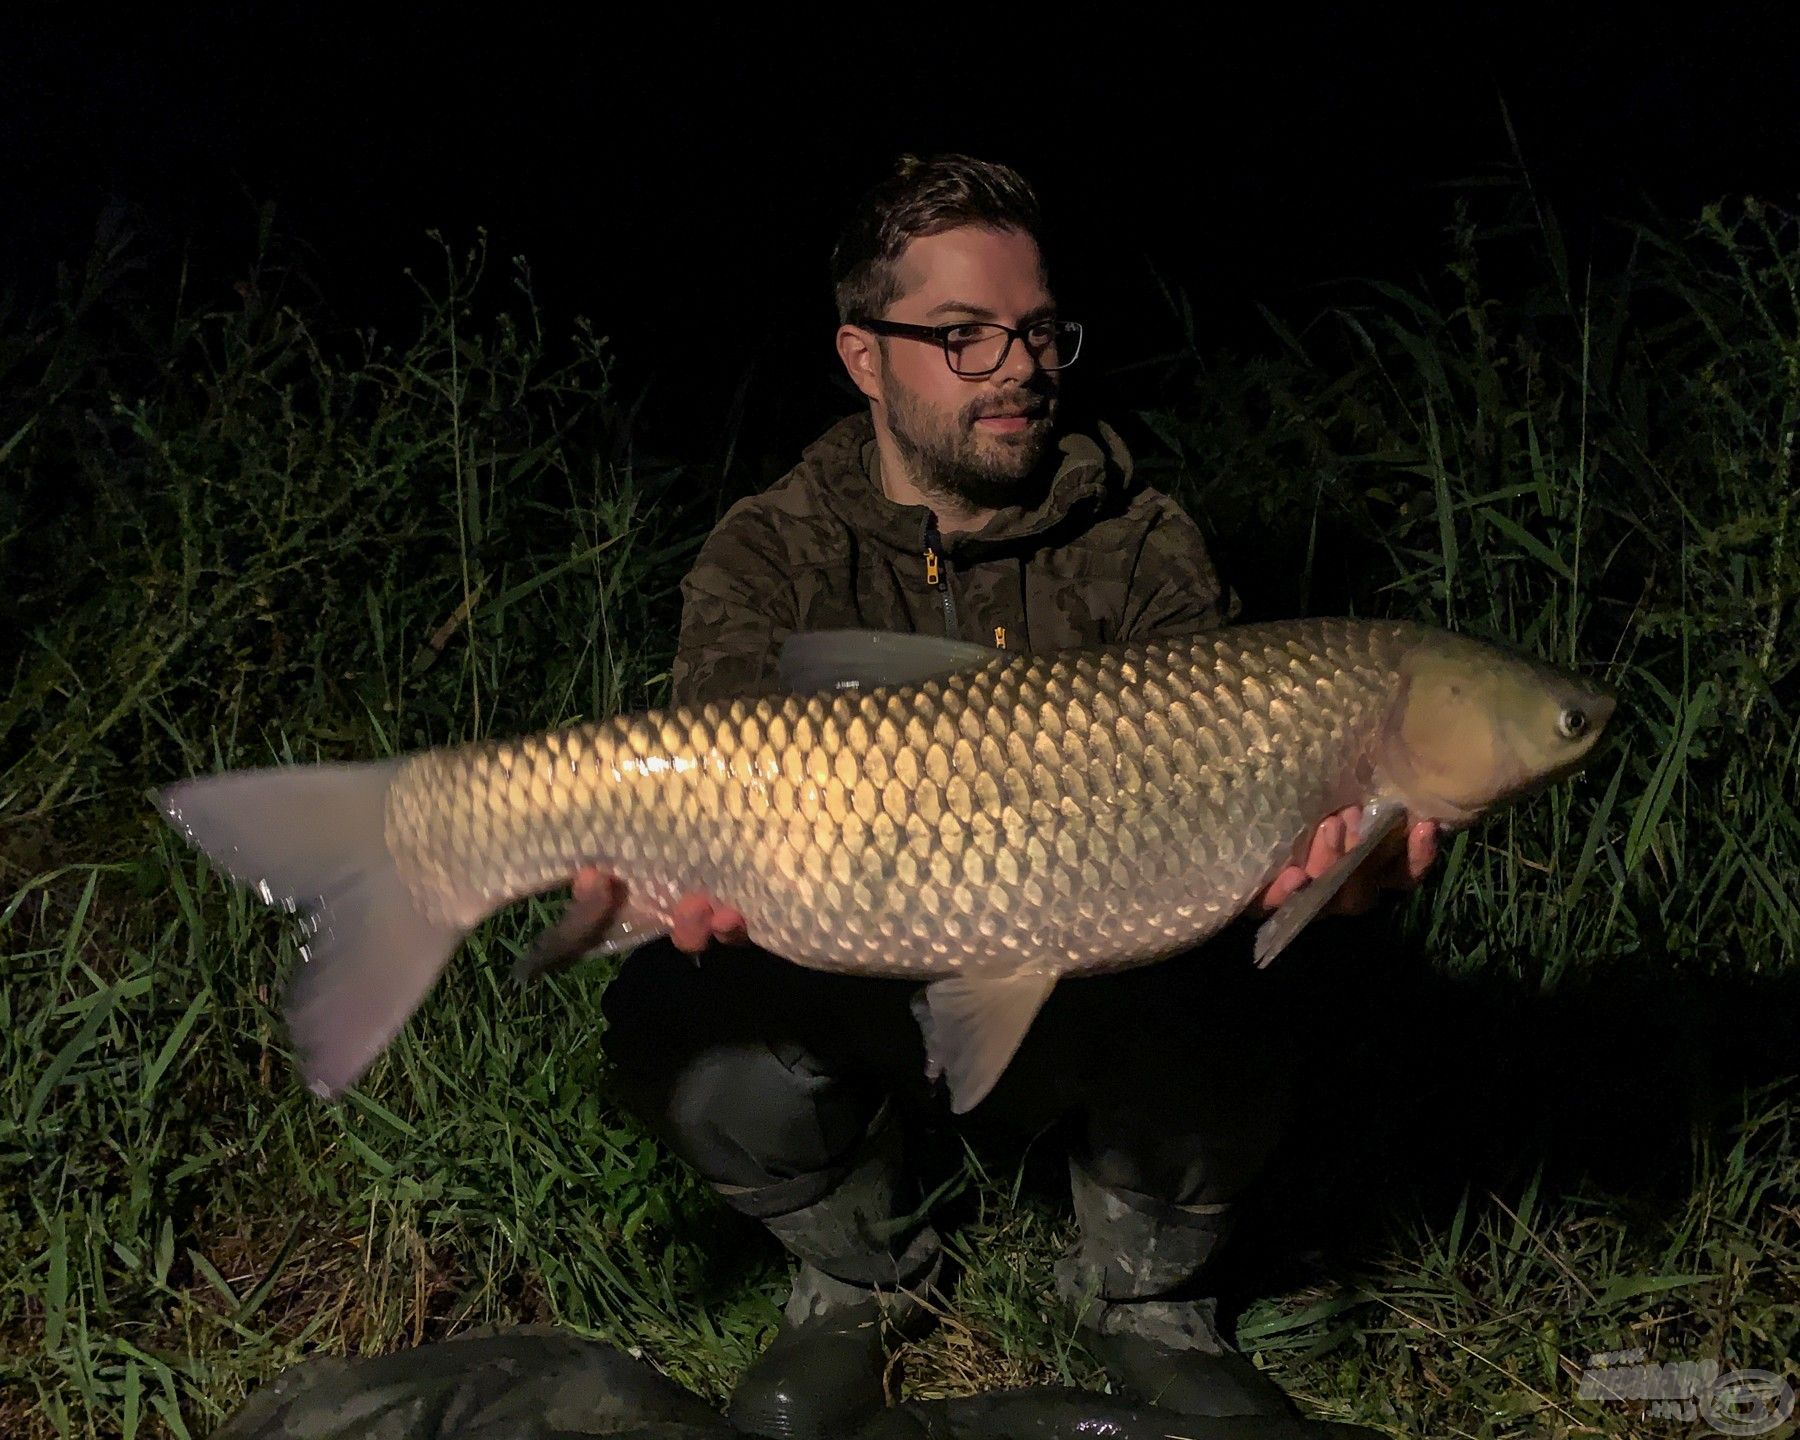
(966, 334)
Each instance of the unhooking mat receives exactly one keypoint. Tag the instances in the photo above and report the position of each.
(540, 1383)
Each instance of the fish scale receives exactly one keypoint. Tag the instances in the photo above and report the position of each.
(1092, 810)
(987, 822)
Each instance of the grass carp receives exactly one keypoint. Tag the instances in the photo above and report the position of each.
(986, 821)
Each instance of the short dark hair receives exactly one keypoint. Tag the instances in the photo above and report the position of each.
(922, 197)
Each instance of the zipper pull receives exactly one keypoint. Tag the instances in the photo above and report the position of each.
(935, 576)
(999, 637)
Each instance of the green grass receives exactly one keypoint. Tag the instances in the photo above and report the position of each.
(1550, 1101)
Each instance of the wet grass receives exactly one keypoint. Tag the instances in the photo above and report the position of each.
(1549, 1102)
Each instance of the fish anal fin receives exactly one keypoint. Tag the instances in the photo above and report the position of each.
(869, 659)
(973, 1028)
(1301, 908)
(591, 925)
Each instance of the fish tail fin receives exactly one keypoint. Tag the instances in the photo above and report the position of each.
(312, 838)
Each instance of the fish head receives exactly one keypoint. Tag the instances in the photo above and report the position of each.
(1477, 725)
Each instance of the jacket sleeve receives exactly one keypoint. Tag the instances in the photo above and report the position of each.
(737, 606)
(1174, 588)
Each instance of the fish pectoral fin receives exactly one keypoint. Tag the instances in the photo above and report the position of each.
(589, 926)
(974, 1027)
(868, 659)
(1300, 909)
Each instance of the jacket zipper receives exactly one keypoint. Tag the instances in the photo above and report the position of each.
(937, 573)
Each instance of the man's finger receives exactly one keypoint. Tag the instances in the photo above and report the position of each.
(589, 880)
(1282, 886)
(1327, 846)
(729, 927)
(691, 923)
(1409, 859)
(1421, 849)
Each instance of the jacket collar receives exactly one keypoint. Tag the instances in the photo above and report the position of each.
(843, 467)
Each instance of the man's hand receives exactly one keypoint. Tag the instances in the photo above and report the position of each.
(696, 921)
(1395, 865)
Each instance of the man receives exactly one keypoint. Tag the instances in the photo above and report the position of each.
(963, 502)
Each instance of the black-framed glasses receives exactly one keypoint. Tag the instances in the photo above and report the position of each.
(973, 348)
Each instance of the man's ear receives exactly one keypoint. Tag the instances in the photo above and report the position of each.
(862, 359)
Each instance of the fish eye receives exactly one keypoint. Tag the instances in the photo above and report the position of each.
(1571, 722)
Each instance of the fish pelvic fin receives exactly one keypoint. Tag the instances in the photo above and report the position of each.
(311, 838)
(973, 1028)
(1379, 820)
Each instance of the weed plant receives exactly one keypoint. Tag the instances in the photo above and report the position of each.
(1601, 467)
(1554, 1111)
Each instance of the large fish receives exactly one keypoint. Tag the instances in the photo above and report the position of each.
(989, 822)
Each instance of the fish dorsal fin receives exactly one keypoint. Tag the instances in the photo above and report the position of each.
(974, 1027)
(1295, 913)
(868, 659)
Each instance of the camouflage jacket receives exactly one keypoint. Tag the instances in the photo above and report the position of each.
(1097, 559)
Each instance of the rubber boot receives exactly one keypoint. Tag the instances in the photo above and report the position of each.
(865, 1268)
(1135, 1274)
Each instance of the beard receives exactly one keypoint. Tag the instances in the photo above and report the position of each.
(964, 468)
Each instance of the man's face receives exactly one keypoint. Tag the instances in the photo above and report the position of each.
(976, 441)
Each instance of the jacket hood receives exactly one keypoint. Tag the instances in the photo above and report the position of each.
(843, 468)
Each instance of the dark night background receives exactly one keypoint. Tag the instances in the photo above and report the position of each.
(219, 546)
(679, 181)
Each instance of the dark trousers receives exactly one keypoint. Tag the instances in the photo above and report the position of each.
(767, 1077)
